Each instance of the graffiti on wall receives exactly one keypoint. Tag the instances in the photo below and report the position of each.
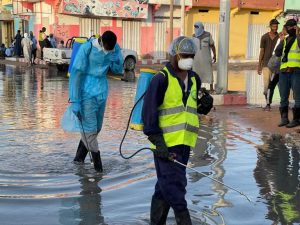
(61, 31)
(110, 8)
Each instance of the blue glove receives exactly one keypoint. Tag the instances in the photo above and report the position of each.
(76, 107)
(114, 57)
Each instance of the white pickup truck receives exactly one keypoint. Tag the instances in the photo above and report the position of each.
(61, 57)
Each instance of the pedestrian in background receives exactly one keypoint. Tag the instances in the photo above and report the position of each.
(46, 42)
(34, 47)
(42, 35)
(27, 48)
(61, 44)
(18, 47)
(203, 60)
(267, 45)
(88, 92)
(274, 66)
(289, 78)
(10, 50)
(52, 41)
(2, 51)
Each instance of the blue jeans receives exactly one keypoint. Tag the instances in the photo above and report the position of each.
(289, 81)
(171, 178)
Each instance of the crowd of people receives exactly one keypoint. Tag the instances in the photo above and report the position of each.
(26, 45)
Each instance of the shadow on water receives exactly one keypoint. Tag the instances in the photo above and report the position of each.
(277, 173)
(39, 184)
(87, 208)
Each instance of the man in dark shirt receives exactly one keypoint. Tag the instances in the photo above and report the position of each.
(289, 78)
(267, 45)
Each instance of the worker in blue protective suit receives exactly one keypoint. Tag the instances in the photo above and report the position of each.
(170, 116)
(88, 91)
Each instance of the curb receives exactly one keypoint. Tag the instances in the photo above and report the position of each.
(230, 99)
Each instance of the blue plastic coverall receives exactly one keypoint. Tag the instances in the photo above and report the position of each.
(88, 90)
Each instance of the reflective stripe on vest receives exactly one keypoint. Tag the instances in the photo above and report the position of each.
(179, 123)
(293, 56)
(164, 112)
(183, 126)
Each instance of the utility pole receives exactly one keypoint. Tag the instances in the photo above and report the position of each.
(171, 19)
(223, 48)
(182, 15)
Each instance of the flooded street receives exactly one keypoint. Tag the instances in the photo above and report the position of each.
(39, 184)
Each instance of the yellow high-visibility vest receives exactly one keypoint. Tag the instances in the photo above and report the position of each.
(293, 56)
(179, 123)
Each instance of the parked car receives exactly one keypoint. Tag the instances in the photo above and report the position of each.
(61, 56)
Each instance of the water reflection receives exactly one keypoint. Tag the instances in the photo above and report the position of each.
(209, 156)
(278, 175)
(250, 83)
(38, 177)
(87, 208)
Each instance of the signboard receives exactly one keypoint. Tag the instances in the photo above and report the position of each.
(5, 15)
(109, 8)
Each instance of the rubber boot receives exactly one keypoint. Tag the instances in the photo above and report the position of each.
(296, 116)
(159, 211)
(183, 218)
(81, 153)
(284, 111)
(97, 161)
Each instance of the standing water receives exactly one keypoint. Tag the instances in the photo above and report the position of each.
(39, 184)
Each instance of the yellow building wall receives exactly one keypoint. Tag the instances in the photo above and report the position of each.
(6, 2)
(194, 15)
(238, 36)
(239, 25)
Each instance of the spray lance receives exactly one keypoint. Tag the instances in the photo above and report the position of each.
(137, 124)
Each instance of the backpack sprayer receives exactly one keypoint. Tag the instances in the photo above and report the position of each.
(137, 123)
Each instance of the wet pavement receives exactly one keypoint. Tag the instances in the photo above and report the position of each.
(39, 184)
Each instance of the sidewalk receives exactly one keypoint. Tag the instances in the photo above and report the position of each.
(254, 119)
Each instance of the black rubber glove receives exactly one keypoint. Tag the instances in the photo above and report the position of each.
(206, 102)
(161, 150)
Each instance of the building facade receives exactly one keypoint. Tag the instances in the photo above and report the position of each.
(6, 22)
(141, 25)
(249, 20)
(291, 10)
(144, 25)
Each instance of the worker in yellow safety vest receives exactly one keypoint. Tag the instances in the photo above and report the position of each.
(170, 115)
(289, 78)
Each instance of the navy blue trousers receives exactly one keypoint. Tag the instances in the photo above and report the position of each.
(289, 81)
(171, 178)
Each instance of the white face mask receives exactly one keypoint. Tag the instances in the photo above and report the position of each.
(185, 64)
